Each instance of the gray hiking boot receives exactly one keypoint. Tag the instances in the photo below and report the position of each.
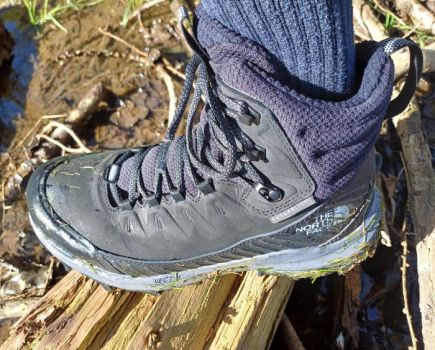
(269, 179)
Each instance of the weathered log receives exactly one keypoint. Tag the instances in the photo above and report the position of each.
(421, 192)
(224, 312)
(288, 335)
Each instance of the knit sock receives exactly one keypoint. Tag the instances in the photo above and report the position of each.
(313, 39)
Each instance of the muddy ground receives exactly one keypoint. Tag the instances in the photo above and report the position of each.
(49, 73)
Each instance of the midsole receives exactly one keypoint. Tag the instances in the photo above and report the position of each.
(282, 262)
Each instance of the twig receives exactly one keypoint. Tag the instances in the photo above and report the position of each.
(54, 124)
(177, 73)
(49, 272)
(34, 127)
(171, 91)
(365, 20)
(87, 105)
(145, 6)
(364, 16)
(289, 335)
(172, 70)
(60, 145)
(385, 11)
(104, 74)
(141, 26)
(123, 42)
(406, 307)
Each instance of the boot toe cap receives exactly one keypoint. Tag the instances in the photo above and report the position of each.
(61, 197)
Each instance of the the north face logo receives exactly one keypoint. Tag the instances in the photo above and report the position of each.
(325, 221)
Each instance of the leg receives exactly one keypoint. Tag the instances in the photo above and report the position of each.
(312, 38)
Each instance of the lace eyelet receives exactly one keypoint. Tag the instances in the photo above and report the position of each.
(177, 196)
(249, 119)
(206, 186)
(151, 200)
(256, 154)
(269, 192)
(111, 173)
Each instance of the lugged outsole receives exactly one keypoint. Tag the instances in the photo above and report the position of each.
(310, 262)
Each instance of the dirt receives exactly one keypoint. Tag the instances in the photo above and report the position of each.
(48, 74)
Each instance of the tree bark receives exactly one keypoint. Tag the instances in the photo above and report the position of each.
(226, 312)
(421, 189)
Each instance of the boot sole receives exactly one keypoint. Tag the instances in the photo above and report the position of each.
(310, 262)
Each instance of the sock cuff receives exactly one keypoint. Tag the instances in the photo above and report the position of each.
(313, 39)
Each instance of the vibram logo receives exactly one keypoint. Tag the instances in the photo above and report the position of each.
(164, 280)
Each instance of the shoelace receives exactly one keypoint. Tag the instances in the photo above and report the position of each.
(194, 154)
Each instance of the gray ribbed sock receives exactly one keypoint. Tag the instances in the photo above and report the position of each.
(312, 38)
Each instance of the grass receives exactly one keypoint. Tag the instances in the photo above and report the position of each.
(130, 7)
(45, 11)
(391, 24)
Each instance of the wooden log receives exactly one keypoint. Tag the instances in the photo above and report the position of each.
(421, 192)
(288, 335)
(350, 306)
(224, 312)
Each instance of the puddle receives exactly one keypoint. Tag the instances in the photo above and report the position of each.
(17, 73)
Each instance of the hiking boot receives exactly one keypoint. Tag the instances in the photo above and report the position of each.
(267, 180)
